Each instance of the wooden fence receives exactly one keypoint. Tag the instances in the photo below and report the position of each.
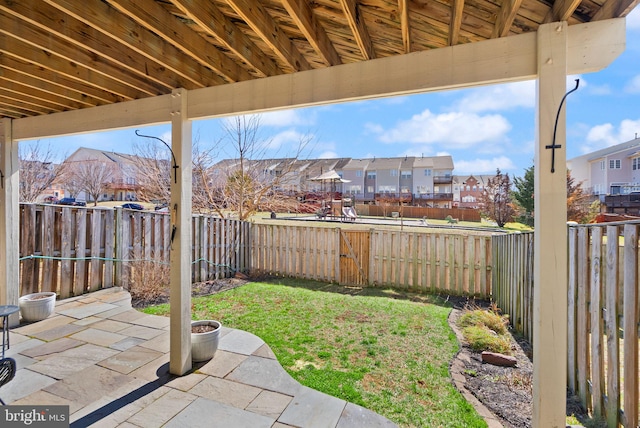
(421, 262)
(462, 214)
(512, 282)
(603, 312)
(73, 250)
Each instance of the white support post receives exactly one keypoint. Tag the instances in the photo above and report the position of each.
(9, 219)
(550, 268)
(180, 258)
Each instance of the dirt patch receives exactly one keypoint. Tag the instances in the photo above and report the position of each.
(198, 289)
(506, 392)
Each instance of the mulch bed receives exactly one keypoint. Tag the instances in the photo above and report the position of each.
(507, 392)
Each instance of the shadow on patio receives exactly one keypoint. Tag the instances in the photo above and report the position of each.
(109, 364)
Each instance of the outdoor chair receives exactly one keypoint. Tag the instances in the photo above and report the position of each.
(7, 372)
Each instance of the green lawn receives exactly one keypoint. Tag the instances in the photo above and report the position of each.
(390, 355)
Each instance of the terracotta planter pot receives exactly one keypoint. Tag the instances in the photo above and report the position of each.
(204, 344)
(37, 306)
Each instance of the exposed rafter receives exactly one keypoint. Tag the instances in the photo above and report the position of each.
(505, 18)
(613, 8)
(155, 18)
(405, 26)
(561, 10)
(457, 7)
(127, 32)
(217, 25)
(94, 73)
(358, 28)
(257, 17)
(303, 16)
(74, 33)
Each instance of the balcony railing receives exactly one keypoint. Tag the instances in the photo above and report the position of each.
(434, 196)
(442, 179)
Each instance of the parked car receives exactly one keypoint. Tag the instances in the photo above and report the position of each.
(72, 201)
(132, 206)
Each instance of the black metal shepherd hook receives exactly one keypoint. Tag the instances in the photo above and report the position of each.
(175, 164)
(553, 146)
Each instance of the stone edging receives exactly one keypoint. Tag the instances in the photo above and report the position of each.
(457, 374)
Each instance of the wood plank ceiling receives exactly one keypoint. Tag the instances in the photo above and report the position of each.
(58, 55)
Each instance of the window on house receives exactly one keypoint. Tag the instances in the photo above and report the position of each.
(634, 163)
(359, 173)
(427, 173)
(601, 164)
(405, 174)
(393, 172)
(615, 164)
(369, 189)
(371, 175)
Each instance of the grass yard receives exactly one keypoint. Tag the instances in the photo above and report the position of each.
(388, 354)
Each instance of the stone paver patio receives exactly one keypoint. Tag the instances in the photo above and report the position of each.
(109, 363)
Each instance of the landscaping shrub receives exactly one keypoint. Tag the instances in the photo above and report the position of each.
(481, 338)
(486, 330)
(149, 281)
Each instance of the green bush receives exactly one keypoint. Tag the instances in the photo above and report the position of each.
(481, 338)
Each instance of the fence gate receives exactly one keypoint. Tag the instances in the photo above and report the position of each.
(354, 257)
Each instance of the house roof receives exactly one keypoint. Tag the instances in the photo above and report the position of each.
(63, 55)
(595, 155)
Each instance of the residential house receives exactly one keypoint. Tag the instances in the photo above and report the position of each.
(433, 181)
(470, 190)
(612, 175)
(123, 185)
(355, 171)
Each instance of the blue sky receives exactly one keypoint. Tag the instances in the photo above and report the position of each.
(482, 129)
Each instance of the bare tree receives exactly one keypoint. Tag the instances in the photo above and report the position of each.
(91, 176)
(496, 199)
(37, 170)
(254, 182)
(153, 170)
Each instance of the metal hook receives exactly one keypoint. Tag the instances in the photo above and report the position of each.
(553, 146)
(175, 164)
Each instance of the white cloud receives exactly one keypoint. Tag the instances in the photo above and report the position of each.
(456, 130)
(483, 166)
(606, 135)
(633, 19)
(329, 154)
(284, 138)
(284, 118)
(499, 97)
(633, 87)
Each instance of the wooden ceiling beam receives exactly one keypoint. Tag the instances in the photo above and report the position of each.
(32, 72)
(505, 18)
(104, 18)
(303, 16)
(615, 8)
(52, 20)
(43, 85)
(55, 64)
(358, 28)
(561, 10)
(405, 25)
(217, 25)
(257, 17)
(35, 97)
(157, 19)
(9, 100)
(456, 21)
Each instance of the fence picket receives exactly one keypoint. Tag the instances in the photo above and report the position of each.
(630, 325)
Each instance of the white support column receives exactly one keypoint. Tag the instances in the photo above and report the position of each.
(550, 269)
(9, 219)
(180, 258)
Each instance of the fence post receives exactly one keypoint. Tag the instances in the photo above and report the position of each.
(119, 264)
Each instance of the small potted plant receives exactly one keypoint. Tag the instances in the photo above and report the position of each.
(205, 336)
(37, 306)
